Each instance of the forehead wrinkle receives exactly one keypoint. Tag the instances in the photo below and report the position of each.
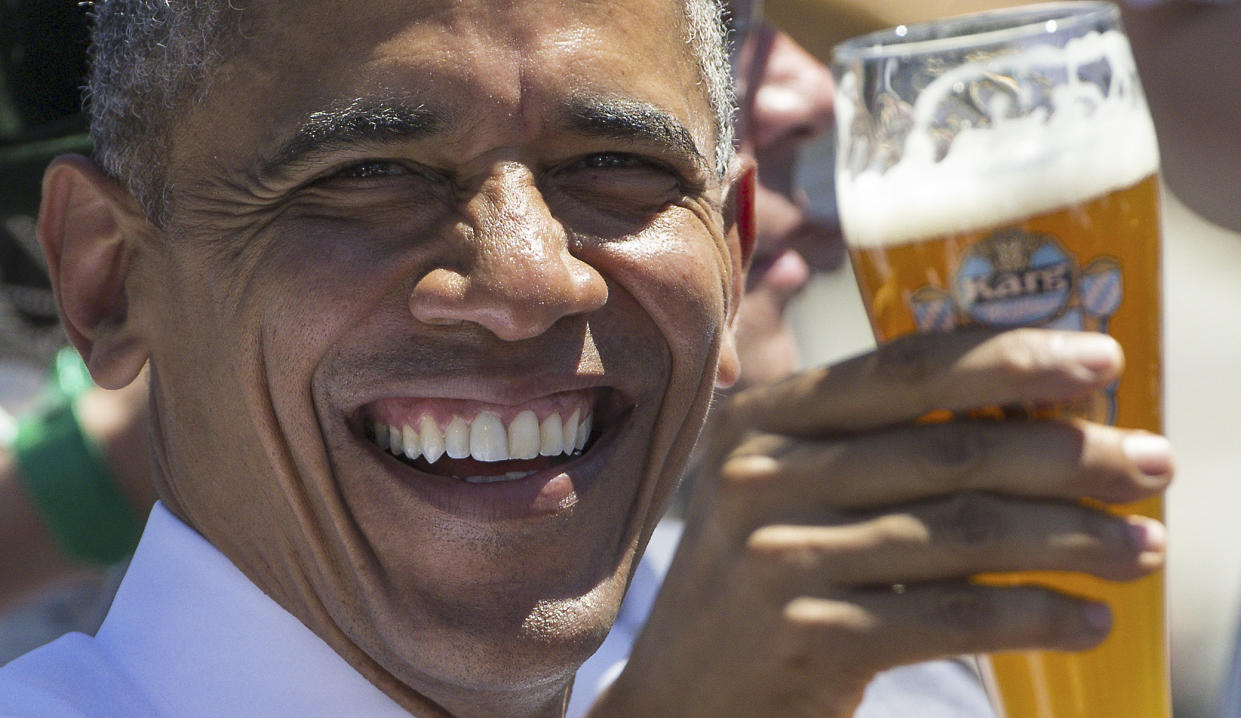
(625, 118)
(361, 122)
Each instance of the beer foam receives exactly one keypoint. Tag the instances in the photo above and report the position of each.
(1091, 142)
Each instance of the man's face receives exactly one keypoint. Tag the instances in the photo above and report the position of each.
(476, 225)
(785, 98)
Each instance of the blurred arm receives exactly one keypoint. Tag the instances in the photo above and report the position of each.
(31, 557)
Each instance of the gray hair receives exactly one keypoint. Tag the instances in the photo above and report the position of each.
(152, 59)
(149, 60)
(708, 40)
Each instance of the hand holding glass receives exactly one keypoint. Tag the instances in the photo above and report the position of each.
(1000, 170)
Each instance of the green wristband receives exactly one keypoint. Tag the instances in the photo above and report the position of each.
(70, 483)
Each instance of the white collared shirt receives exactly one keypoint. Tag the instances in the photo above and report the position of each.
(189, 636)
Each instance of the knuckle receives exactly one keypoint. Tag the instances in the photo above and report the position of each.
(777, 545)
(969, 522)
(1071, 439)
(909, 360)
(793, 551)
(1105, 472)
(893, 529)
(962, 613)
(812, 636)
(1090, 465)
(953, 451)
(1108, 531)
(1112, 486)
(1120, 549)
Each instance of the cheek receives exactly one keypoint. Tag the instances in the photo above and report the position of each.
(296, 297)
(317, 286)
(676, 275)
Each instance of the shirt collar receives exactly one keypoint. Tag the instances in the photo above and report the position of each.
(202, 639)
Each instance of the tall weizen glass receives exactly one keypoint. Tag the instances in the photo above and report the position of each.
(999, 169)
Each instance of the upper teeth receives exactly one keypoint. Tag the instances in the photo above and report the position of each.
(486, 438)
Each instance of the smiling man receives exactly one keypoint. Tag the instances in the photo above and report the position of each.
(434, 295)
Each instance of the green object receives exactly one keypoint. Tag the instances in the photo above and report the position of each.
(69, 373)
(67, 477)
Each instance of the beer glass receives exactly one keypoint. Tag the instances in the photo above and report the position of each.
(999, 170)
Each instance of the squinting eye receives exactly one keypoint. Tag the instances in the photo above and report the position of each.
(611, 160)
(373, 168)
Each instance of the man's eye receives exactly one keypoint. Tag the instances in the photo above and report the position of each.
(372, 169)
(631, 187)
(613, 160)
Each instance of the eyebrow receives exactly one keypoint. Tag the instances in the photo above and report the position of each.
(370, 122)
(359, 122)
(627, 119)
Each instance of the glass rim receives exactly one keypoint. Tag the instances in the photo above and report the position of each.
(942, 34)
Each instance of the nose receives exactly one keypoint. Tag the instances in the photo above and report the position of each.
(516, 276)
(792, 99)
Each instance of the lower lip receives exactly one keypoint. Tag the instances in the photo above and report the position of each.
(543, 493)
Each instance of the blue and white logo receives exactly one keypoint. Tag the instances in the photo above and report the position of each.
(1017, 278)
(1014, 278)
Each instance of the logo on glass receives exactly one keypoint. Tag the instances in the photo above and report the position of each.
(1015, 277)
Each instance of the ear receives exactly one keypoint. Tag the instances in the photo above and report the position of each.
(740, 232)
(88, 227)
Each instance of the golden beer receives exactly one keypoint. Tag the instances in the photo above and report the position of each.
(999, 170)
(1121, 227)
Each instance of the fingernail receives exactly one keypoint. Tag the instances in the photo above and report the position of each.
(1147, 534)
(1097, 352)
(1098, 617)
(1150, 453)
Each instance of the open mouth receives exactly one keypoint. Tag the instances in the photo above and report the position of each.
(482, 444)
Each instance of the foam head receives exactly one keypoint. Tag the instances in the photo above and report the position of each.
(938, 136)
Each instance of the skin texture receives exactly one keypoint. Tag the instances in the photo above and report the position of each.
(505, 254)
